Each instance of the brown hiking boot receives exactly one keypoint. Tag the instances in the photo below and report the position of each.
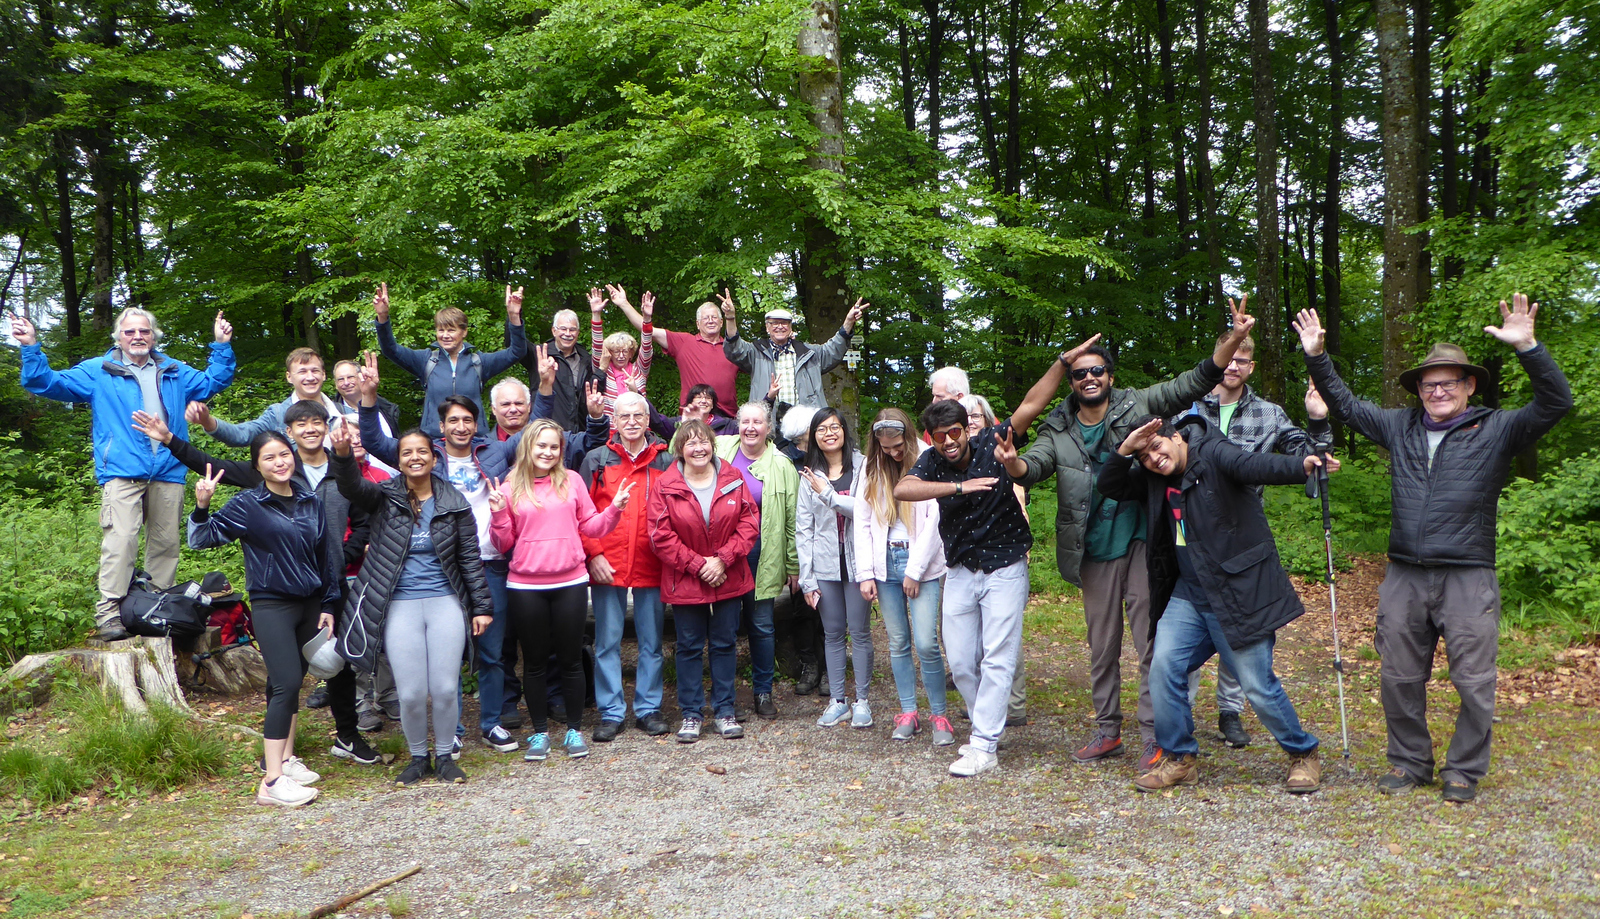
(1305, 773)
(1168, 771)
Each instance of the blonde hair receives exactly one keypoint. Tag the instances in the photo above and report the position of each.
(618, 340)
(521, 478)
(883, 473)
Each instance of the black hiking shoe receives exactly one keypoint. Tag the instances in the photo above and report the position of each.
(1398, 782)
(1232, 730)
(449, 772)
(421, 767)
(1459, 792)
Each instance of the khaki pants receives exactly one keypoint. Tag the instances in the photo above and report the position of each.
(126, 507)
(1109, 589)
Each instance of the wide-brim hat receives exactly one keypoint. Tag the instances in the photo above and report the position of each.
(221, 590)
(782, 314)
(1444, 354)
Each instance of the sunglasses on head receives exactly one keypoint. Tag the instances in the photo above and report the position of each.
(941, 436)
(1098, 370)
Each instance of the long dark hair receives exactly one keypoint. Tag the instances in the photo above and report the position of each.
(815, 460)
(260, 441)
(416, 505)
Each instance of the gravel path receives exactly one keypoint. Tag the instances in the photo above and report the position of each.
(813, 822)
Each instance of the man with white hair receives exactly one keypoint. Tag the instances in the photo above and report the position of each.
(574, 372)
(782, 361)
(699, 356)
(511, 401)
(141, 482)
(948, 383)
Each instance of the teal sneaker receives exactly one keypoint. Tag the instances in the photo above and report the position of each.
(576, 748)
(538, 748)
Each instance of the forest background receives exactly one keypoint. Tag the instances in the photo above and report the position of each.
(999, 178)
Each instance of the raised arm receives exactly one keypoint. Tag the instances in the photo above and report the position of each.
(619, 298)
(597, 330)
(240, 435)
(1368, 420)
(237, 473)
(1040, 395)
(411, 360)
(346, 472)
(1552, 395)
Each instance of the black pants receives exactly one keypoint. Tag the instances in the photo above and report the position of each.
(281, 627)
(805, 631)
(342, 703)
(546, 622)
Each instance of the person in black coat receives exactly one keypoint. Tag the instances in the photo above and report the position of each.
(420, 592)
(1215, 580)
(294, 580)
(1448, 462)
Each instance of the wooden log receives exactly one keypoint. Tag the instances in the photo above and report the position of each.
(138, 671)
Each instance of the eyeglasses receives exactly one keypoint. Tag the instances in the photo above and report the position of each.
(137, 333)
(831, 429)
(947, 434)
(1444, 386)
(1098, 370)
(1242, 362)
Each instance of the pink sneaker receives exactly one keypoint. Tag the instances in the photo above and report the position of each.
(906, 725)
(943, 734)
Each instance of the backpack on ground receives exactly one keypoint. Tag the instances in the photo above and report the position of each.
(178, 612)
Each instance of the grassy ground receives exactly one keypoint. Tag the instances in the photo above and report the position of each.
(1042, 838)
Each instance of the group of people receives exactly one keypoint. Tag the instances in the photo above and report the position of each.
(419, 548)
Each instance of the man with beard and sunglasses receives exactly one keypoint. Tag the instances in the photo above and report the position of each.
(1100, 543)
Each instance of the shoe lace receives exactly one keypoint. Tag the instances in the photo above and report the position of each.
(905, 718)
(941, 723)
(540, 739)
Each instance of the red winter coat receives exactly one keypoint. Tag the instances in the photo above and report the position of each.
(627, 548)
(683, 541)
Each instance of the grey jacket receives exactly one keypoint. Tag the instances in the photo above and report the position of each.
(240, 435)
(810, 363)
(817, 530)
(1058, 448)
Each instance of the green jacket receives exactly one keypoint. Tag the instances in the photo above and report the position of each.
(1058, 448)
(780, 489)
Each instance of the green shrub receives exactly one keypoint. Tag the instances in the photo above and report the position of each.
(1549, 549)
(1359, 498)
(43, 778)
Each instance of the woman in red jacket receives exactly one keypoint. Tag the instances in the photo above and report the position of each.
(704, 523)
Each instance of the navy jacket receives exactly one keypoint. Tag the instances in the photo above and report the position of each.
(286, 552)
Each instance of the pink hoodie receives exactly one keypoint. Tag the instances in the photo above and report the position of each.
(545, 544)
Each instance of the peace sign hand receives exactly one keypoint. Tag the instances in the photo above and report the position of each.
(1004, 449)
(380, 303)
(725, 300)
(206, 487)
(514, 305)
(369, 379)
(22, 329)
(1242, 321)
(595, 398)
(854, 316)
(547, 368)
(497, 498)
(620, 501)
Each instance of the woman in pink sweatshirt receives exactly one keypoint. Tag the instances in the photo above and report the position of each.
(540, 516)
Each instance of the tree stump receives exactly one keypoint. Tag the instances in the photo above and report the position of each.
(227, 669)
(139, 671)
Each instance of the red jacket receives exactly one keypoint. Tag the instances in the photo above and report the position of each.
(683, 541)
(627, 548)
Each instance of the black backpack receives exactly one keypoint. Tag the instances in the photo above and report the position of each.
(179, 612)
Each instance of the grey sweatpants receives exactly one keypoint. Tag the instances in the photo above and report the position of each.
(424, 640)
(843, 610)
(1416, 607)
(982, 637)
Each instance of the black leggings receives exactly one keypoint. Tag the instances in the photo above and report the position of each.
(547, 621)
(281, 627)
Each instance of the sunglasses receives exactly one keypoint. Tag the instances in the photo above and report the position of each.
(1098, 370)
(947, 434)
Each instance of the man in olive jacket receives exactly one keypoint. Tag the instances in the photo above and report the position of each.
(1100, 544)
(1448, 462)
(1216, 580)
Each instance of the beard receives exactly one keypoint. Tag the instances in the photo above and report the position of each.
(1096, 400)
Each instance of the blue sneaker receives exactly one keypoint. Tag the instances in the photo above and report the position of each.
(538, 748)
(576, 748)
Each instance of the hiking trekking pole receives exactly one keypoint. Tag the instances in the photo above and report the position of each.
(1333, 601)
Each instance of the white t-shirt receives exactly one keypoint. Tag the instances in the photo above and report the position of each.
(468, 479)
(315, 474)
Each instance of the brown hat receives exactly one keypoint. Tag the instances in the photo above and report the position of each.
(1444, 354)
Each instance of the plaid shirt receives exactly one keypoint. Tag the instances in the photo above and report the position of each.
(783, 366)
(1260, 426)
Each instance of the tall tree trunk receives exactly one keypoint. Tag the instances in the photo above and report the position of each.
(66, 245)
(1422, 76)
(296, 39)
(908, 96)
(1401, 249)
(103, 173)
(1202, 163)
(1013, 184)
(1332, 209)
(1269, 289)
(822, 261)
(1180, 169)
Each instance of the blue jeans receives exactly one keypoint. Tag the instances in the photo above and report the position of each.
(1186, 638)
(491, 675)
(763, 647)
(610, 612)
(908, 621)
(694, 624)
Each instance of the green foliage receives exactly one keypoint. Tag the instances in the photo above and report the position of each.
(49, 569)
(1359, 500)
(109, 747)
(1549, 549)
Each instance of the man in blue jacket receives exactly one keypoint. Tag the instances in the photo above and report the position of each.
(141, 484)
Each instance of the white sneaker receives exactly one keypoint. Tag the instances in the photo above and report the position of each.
(974, 762)
(861, 714)
(285, 792)
(300, 772)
